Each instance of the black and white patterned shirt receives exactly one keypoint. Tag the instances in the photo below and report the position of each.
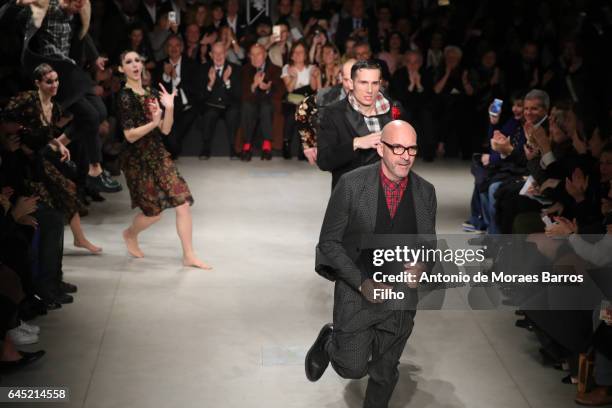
(56, 32)
(381, 106)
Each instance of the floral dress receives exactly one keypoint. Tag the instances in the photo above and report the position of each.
(43, 169)
(150, 173)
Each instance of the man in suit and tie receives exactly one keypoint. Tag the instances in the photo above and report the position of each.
(350, 128)
(183, 75)
(221, 99)
(367, 336)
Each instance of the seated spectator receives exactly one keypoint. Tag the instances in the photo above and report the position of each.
(139, 43)
(278, 48)
(393, 51)
(235, 53)
(317, 40)
(183, 75)
(363, 52)
(261, 85)
(330, 66)
(192, 43)
(221, 99)
(201, 17)
(357, 25)
(158, 37)
(301, 80)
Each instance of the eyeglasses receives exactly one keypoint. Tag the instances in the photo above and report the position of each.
(400, 150)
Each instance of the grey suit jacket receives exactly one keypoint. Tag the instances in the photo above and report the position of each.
(351, 214)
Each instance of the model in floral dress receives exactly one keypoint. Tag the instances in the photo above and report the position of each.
(44, 157)
(151, 175)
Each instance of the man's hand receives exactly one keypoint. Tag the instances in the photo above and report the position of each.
(367, 142)
(311, 155)
(227, 73)
(549, 183)
(541, 138)
(28, 220)
(367, 290)
(561, 228)
(415, 273)
(212, 76)
(169, 70)
(264, 86)
(101, 62)
(501, 143)
(257, 80)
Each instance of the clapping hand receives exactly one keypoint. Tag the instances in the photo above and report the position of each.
(561, 228)
(227, 73)
(212, 76)
(167, 99)
(155, 110)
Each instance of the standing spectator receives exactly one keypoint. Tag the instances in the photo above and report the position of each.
(201, 17)
(180, 74)
(301, 80)
(221, 99)
(452, 89)
(435, 55)
(412, 86)
(261, 83)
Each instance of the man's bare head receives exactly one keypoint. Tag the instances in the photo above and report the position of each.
(398, 136)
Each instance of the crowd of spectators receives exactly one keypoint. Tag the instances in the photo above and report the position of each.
(443, 62)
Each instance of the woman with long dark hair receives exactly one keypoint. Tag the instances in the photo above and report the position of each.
(151, 175)
(45, 157)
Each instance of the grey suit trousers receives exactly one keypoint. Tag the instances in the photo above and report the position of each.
(375, 351)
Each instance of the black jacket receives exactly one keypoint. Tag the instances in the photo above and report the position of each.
(191, 83)
(339, 126)
(220, 95)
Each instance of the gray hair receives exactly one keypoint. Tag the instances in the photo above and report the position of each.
(540, 95)
(452, 48)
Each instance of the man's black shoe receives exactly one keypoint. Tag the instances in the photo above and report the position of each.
(26, 359)
(246, 155)
(102, 184)
(286, 150)
(67, 287)
(94, 195)
(63, 298)
(317, 358)
(266, 155)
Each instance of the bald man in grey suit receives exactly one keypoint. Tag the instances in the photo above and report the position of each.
(381, 198)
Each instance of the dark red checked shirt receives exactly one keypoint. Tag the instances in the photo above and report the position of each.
(394, 191)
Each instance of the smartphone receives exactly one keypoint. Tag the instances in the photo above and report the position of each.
(172, 17)
(547, 221)
(276, 33)
(496, 107)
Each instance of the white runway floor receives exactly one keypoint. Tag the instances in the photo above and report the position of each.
(150, 333)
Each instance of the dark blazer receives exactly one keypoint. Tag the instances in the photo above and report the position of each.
(273, 74)
(220, 94)
(191, 82)
(241, 26)
(339, 126)
(345, 29)
(351, 215)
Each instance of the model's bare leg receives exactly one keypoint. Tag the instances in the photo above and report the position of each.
(140, 223)
(184, 230)
(79, 236)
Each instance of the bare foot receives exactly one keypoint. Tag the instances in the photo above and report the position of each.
(193, 261)
(87, 245)
(132, 244)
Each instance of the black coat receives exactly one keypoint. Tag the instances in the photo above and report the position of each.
(339, 126)
(220, 94)
(191, 83)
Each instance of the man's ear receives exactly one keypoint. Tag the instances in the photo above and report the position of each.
(351, 84)
(379, 149)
